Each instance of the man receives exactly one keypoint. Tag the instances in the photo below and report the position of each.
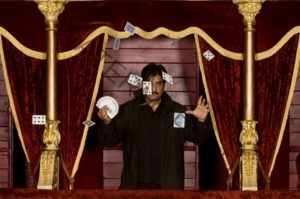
(153, 129)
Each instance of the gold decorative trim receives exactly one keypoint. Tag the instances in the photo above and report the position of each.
(20, 47)
(150, 35)
(287, 107)
(212, 114)
(278, 45)
(67, 54)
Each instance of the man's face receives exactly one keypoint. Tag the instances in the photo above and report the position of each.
(158, 86)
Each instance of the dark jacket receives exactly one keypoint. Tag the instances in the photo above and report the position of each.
(128, 123)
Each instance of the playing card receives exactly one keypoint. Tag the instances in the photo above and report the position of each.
(129, 28)
(89, 123)
(168, 78)
(98, 104)
(147, 88)
(39, 119)
(135, 80)
(117, 44)
(208, 55)
(179, 120)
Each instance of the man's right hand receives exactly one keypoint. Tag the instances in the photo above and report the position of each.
(103, 115)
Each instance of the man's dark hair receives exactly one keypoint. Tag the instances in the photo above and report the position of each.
(152, 69)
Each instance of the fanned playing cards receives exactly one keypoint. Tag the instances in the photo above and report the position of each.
(111, 103)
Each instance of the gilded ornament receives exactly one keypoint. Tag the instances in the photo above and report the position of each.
(51, 8)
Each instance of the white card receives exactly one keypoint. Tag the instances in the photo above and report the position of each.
(135, 80)
(147, 88)
(129, 28)
(89, 123)
(208, 55)
(179, 120)
(117, 44)
(39, 119)
(168, 78)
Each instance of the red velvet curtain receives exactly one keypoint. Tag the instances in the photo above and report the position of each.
(274, 76)
(76, 83)
(27, 79)
(223, 78)
(273, 80)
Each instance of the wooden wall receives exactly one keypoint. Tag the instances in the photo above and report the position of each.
(180, 59)
(294, 125)
(5, 137)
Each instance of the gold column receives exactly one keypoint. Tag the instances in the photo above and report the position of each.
(49, 163)
(248, 136)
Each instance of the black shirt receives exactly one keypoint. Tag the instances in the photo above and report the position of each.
(149, 165)
(153, 149)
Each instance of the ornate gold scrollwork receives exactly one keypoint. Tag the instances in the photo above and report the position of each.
(249, 159)
(51, 9)
(49, 170)
(249, 9)
(248, 135)
(51, 136)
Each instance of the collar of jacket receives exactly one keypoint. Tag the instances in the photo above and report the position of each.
(166, 100)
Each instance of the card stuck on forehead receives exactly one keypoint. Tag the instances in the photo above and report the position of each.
(147, 88)
(168, 78)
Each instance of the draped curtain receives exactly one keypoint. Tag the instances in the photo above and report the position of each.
(276, 76)
(77, 89)
(77, 83)
(222, 77)
(26, 83)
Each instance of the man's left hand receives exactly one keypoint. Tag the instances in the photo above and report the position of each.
(201, 111)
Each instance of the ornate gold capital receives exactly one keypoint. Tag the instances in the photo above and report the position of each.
(249, 9)
(51, 136)
(51, 9)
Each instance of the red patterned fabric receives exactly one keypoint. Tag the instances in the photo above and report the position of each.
(149, 194)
